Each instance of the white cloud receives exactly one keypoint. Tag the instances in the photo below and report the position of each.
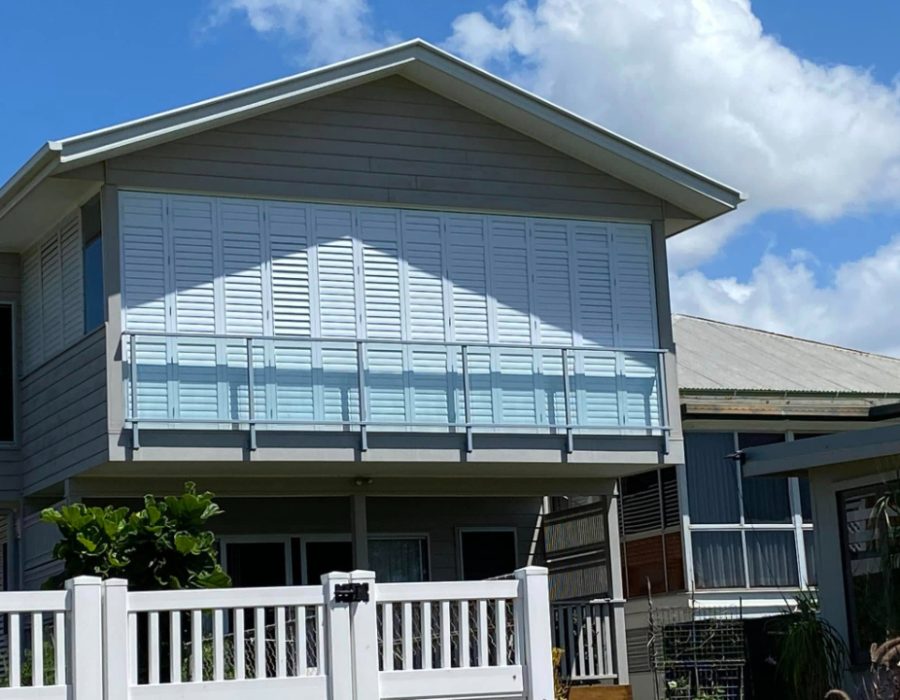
(856, 308)
(329, 29)
(700, 81)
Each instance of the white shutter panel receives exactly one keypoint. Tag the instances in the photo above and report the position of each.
(239, 233)
(335, 262)
(142, 222)
(379, 233)
(514, 370)
(32, 340)
(635, 306)
(290, 241)
(51, 298)
(467, 259)
(552, 272)
(72, 290)
(595, 371)
(430, 387)
(193, 256)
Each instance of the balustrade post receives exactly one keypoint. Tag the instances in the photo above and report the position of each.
(467, 402)
(364, 634)
(534, 594)
(115, 639)
(361, 392)
(570, 446)
(337, 645)
(132, 381)
(251, 390)
(85, 637)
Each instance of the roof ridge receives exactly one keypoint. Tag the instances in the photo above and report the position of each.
(787, 336)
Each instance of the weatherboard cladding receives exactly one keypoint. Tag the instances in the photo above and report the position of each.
(389, 141)
(717, 356)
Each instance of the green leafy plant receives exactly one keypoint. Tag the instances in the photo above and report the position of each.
(812, 655)
(165, 544)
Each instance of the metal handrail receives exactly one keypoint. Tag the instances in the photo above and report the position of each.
(364, 420)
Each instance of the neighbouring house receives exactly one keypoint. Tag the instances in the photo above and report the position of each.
(385, 309)
(714, 545)
(855, 493)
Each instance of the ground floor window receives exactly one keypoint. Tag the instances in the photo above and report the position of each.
(745, 533)
(302, 560)
(870, 525)
(487, 553)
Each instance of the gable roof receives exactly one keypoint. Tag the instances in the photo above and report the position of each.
(716, 356)
(695, 197)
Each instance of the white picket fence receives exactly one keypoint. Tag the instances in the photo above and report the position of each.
(98, 640)
(584, 631)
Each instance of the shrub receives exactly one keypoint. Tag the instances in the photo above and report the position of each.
(165, 544)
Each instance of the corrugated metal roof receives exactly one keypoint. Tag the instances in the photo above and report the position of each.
(720, 356)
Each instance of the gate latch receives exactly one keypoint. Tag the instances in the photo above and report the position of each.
(351, 593)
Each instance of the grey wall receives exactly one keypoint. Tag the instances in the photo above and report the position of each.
(390, 141)
(63, 418)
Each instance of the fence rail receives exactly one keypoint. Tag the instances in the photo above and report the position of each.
(381, 384)
(349, 639)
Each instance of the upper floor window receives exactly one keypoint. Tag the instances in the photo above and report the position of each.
(745, 532)
(52, 293)
(92, 265)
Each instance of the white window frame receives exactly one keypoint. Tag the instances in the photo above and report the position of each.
(796, 525)
(226, 540)
(460, 531)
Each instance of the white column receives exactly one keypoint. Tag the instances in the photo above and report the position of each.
(115, 639)
(359, 524)
(364, 629)
(616, 587)
(85, 637)
(534, 604)
(336, 644)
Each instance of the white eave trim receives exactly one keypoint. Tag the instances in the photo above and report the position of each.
(421, 62)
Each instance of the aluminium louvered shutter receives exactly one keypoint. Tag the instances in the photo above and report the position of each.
(142, 224)
(338, 312)
(595, 381)
(70, 251)
(290, 242)
(466, 265)
(51, 298)
(32, 331)
(378, 232)
(239, 235)
(513, 375)
(430, 387)
(635, 305)
(196, 359)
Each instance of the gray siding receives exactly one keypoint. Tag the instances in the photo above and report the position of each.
(390, 141)
(62, 423)
(11, 457)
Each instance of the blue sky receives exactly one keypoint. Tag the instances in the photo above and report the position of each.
(807, 251)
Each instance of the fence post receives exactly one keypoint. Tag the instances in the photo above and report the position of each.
(115, 639)
(337, 646)
(534, 595)
(364, 629)
(85, 637)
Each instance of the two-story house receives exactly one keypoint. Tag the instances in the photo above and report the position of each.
(381, 308)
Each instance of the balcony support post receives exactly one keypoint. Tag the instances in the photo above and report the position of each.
(467, 408)
(570, 441)
(251, 390)
(361, 393)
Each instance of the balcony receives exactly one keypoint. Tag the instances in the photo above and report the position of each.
(341, 384)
